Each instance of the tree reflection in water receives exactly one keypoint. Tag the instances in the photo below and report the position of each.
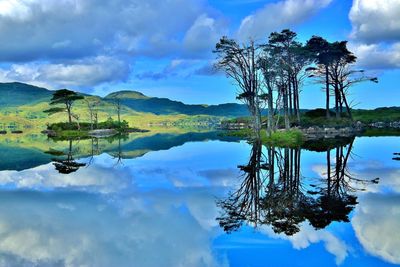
(68, 164)
(273, 191)
(65, 162)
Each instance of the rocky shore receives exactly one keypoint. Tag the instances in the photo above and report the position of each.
(381, 124)
(321, 132)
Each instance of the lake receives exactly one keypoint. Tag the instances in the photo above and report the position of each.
(198, 199)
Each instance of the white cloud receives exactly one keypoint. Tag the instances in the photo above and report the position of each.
(64, 233)
(308, 236)
(279, 15)
(33, 29)
(46, 46)
(203, 34)
(375, 21)
(376, 33)
(83, 72)
(376, 223)
(376, 56)
(100, 179)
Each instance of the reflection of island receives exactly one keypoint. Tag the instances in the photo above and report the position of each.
(67, 164)
(30, 153)
(273, 191)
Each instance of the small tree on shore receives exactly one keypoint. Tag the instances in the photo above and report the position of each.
(116, 101)
(93, 112)
(65, 97)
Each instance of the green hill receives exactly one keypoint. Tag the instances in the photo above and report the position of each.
(126, 94)
(17, 94)
(14, 95)
(164, 106)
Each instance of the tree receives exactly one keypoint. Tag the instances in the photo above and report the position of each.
(270, 193)
(320, 51)
(67, 165)
(335, 69)
(117, 104)
(65, 97)
(266, 63)
(243, 205)
(301, 59)
(343, 75)
(279, 45)
(282, 64)
(239, 63)
(93, 112)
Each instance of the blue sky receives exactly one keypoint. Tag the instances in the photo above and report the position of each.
(164, 48)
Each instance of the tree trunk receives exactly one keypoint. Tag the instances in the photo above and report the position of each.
(285, 109)
(270, 123)
(337, 94)
(95, 120)
(328, 173)
(347, 105)
(68, 106)
(296, 91)
(119, 113)
(256, 120)
(328, 115)
(290, 96)
(91, 120)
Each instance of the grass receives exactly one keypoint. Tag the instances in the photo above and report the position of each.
(387, 114)
(290, 138)
(74, 134)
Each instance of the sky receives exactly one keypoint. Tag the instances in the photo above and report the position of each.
(164, 47)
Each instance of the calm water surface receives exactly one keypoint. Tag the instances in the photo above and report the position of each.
(196, 200)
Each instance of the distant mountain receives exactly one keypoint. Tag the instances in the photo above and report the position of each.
(17, 94)
(127, 95)
(164, 106)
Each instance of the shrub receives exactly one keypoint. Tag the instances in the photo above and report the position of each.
(318, 113)
(85, 126)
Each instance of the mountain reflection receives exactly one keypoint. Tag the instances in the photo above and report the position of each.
(274, 192)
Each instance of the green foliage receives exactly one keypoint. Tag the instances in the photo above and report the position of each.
(51, 111)
(386, 114)
(323, 122)
(63, 126)
(71, 134)
(112, 124)
(317, 113)
(316, 117)
(290, 138)
(64, 96)
(86, 126)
